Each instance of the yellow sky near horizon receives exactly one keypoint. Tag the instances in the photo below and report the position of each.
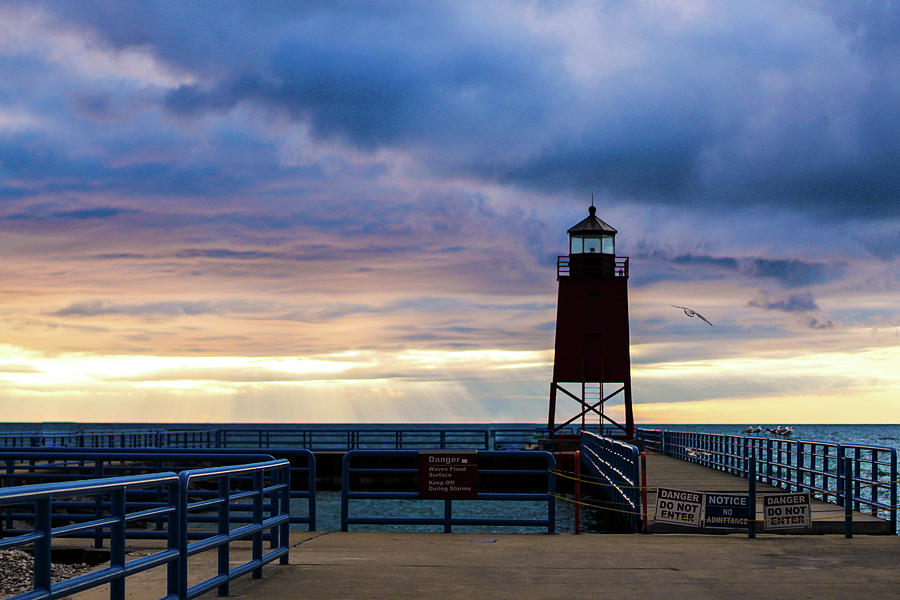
(437, 386)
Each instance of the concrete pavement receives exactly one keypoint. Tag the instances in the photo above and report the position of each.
(399, 566)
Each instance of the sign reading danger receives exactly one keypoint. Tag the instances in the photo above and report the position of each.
(786, 511)
(679, 507)
(448, 475)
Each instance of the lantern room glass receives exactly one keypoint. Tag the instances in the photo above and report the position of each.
(597, 244)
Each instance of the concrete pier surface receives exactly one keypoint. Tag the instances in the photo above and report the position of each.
(399, 566)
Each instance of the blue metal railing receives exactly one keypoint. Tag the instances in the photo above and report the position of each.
(409, 491)
(794, 465)
(618, 465)
(277, 523)
(320, 439)
(115, 520)
(58, 464)
(268, 491)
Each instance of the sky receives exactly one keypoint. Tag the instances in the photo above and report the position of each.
(351, 212)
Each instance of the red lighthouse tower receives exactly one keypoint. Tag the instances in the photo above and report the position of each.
(592, 364)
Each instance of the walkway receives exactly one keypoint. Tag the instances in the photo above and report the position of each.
(667, 472)
(399, 566)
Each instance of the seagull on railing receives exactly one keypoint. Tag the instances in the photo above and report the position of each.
(692, 313)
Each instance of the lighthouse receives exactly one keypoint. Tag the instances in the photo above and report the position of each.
(592, 361)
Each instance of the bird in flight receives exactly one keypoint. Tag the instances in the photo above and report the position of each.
(692, 313)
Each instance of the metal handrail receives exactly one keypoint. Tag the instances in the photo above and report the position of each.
(277, 523)
(321, 439)
(618, 465)
(794, 465)
(448, 520)
(43, 497)
(43, 464)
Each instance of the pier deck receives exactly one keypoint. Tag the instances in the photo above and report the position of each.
(400, 566)
(667, 472)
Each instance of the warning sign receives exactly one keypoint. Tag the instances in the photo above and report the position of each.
(448, 475)
(786, 511)
(679, 507)
(726, 510)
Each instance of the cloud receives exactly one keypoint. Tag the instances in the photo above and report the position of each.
(791, 272)
(816, 324)
(885, 248)
(728, 106)
(225, 253)
(93, 308)
(794, 303)
(726, 263)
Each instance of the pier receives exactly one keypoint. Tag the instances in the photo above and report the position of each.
(246, 526)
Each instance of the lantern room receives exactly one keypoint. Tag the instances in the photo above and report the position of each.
(592, 247)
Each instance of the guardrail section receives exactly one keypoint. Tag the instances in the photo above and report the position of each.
(394, 475)
(110, 494)
(42, 465)
(617, 465)
(319, 439)
(794, 465)
(253, 487)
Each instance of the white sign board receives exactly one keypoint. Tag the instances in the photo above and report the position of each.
(786, 511)
(679, 507)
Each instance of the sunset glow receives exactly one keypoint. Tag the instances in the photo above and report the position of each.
(259, 212)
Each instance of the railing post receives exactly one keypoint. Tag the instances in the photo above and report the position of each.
(117, 543)
(838, 481)
(345, 488)
(181, 512)
(42, 554)
(848, 498)
(257, 539)
(893, 491)
(751, 495)
(172, 567)
(644, 508)
(448, 516)
(224, 516)
(577, 492)
(283, 538)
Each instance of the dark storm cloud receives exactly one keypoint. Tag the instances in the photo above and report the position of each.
(726, 263)
(792, 272)
(793, 303)
(771, 105)
(657, 266)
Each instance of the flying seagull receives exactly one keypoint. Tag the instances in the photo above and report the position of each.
(692, 313)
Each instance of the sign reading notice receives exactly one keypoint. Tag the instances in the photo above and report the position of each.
(679, 507)
(786, 511)
(726, 510)
(448, 475)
